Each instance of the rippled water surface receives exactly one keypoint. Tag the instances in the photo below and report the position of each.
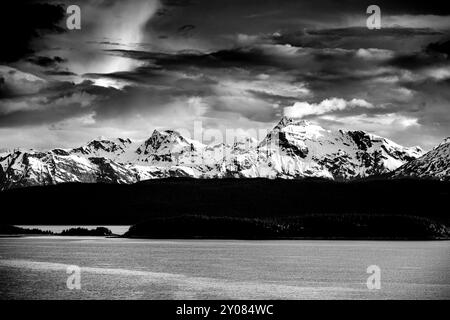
(35, 268)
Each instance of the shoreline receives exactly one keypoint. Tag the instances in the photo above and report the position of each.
(231, 239)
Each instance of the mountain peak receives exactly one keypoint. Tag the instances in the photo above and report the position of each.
(100, 147)
(444, 142)
(163, 141)
(104, 140)
(244, 143)
(165, 133)
(301, 129)
(435, 164)
(287, 121)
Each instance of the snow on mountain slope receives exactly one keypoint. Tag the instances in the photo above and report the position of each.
(168, 148)
(435, 164)
(241, 158)
(293, 149)
(112, 149)
(28, 168)
(298, 148)
(191, 158)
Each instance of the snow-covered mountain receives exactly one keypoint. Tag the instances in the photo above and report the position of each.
(114, 150)
(435, 164)
(293, 149)
(28, 168)
(298, 148)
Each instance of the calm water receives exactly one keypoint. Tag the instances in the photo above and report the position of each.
(35, 268)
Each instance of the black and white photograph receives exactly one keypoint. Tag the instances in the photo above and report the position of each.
(200, 151)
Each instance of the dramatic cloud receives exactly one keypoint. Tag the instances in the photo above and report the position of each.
(16, 83)
(138, 65)
(22, 22)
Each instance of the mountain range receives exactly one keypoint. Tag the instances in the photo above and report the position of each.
(292, 149)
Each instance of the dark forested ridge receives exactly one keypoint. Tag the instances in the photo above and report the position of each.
(253, 198)
(310, 226)
(6, 229)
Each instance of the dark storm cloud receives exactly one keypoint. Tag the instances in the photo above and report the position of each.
(138, 101)
(21, 22)
(224, 79)
(375, 76)
(51, 103)
(179, 3)
(436, 54)
(60, 73)
(439, 47)
(365, 32)
(415, 61)
(307, 62)
(248, 58)
(156, 76)
(46, 61)
(436, 7)
(230, 61)
(354, 37)
(327, 73)
(220, 17)
(139, 75)
(431, 105)
(321, 23)
(186, 30)
(61, 100)
(43, 116)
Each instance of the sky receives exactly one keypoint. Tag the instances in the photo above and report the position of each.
(139, 65)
